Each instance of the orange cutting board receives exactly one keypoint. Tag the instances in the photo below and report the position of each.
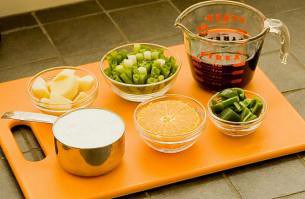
(282, 133)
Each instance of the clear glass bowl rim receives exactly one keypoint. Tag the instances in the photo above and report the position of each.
(178, 61)
(88, 98)
(260, 118)
(189, 133)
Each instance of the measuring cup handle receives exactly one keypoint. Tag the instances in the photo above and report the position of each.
(29, 116)
(277, 27)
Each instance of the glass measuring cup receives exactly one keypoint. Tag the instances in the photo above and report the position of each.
(223, 41)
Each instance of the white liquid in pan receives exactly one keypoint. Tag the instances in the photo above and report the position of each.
(89, 128)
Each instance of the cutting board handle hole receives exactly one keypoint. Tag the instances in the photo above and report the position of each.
(27, 143)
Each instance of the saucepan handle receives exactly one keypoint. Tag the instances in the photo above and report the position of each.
(29, 116)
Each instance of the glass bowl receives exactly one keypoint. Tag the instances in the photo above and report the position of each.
(140, 92)
(59, 109)
(238, 129)
(173, 143)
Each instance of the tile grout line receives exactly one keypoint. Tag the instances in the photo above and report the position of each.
(285, 11)
(73, 18)
(28, 142)
(231, 185)
(301, 160)
(135, 6)
(292, 90)
(34, 154)
(158, 37)
(291, 194)
(174, 6)
(113, 22)
(270, 52)
(19, 29)
(51, 22)
(89, 51)
(147, 195)
(7, 67)
(48, 37)
(297, 59)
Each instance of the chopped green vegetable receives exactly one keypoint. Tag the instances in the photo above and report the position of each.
(155, 71)
(151, 80)
(125, 78)
(147, 55)
(257, 108)
(142, 74)
(245, 102)
(160, 78)
(137, 47)
(139, 56)
(136, 78)
(165, 71)
(155, 55)
(252, 103)
(232, 105)
(230, 115)
(143, 65)
(230, 101)
(237, 107)
(228, 93)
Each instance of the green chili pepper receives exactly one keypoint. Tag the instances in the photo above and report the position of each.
(248, 117)
(252, 117)
(230, 101)
(257, 109)
(252, 103)
(228, 93)
(245, 112)
(230, 115)
(237, 107)
(245, 103)
(217, 108)
(224, 104)
(231, 104)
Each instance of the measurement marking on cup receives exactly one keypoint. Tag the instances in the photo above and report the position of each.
(226, 17)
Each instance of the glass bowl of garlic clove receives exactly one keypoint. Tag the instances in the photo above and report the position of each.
(61, 89)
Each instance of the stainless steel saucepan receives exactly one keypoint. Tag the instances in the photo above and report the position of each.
(79, 161)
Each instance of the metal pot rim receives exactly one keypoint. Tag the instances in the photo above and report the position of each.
(67, 113)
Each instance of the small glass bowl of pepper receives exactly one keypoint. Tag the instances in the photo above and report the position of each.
(237, 112)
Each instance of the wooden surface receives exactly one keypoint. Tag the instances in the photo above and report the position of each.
(282, 133)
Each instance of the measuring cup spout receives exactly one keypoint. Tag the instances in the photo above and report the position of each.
(30, 117)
